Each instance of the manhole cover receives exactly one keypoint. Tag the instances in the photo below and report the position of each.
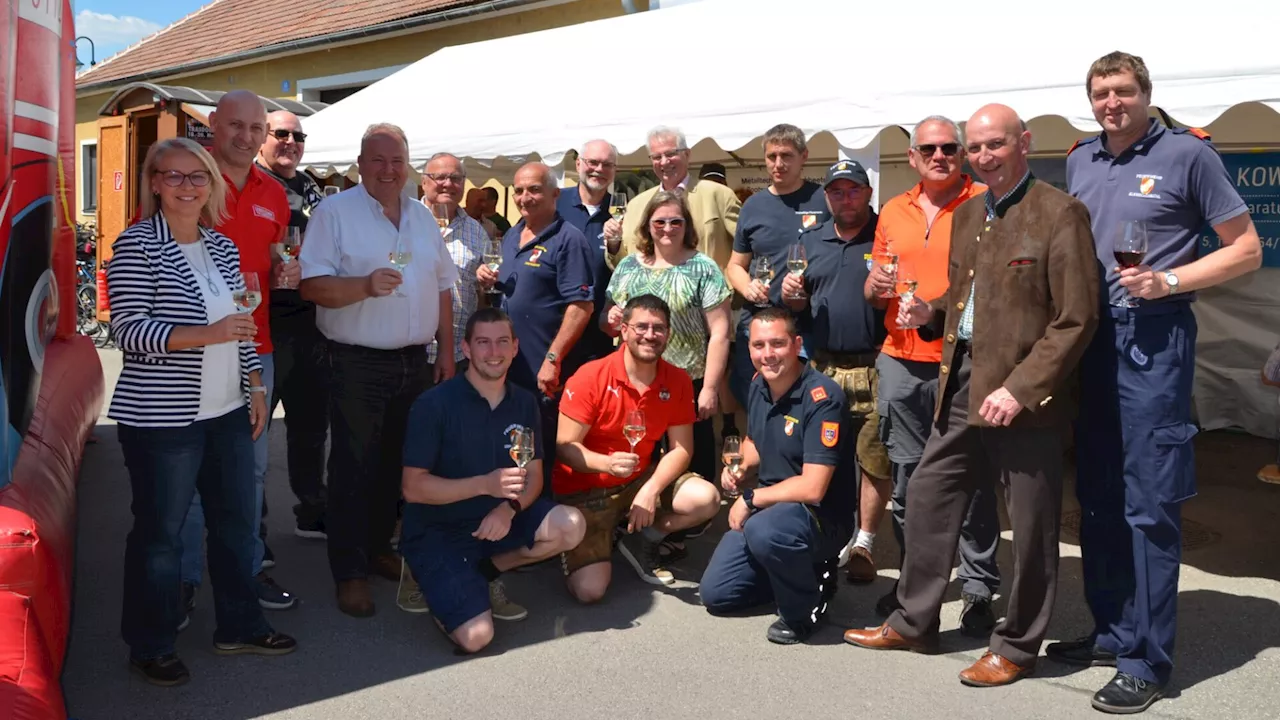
(1194, 535)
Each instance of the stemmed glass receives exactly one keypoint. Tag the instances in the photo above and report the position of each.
(797, 263)
(889, 260)
(493, 261)
(904, 285)
(248, 299)
(1130, 249)
(617, 206)
(762, 270)
(441, 213)
(522, 446)
(400, 258)
(289, 246)
(731, 456)
(633, 428)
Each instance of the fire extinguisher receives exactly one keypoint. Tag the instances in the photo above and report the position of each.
(101, 281)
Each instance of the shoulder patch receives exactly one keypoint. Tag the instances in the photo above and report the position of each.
(1082, 141)
(818, 394)
(830, 433)
(1199, 133)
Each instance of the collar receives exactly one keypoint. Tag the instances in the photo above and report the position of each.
(682, 185)
(557, 222)
(1154, 131)
(375, 205)
(866, 234)
(470, 390)
(793, 394)
(966, 192)
(256, 176)
(574, 198)
(618, 370)
(1001, 206)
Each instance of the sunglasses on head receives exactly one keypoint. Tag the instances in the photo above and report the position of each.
(282, 134)
(948, 149)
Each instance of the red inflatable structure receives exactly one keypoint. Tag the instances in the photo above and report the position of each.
(51, 385)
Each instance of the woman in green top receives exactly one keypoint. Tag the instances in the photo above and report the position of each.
(667, 264)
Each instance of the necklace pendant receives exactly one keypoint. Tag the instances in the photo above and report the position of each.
(213, 288)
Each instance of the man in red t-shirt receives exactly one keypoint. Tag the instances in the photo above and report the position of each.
(600, 473)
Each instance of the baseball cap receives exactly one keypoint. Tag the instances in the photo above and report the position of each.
(847, 170)
(712, 170)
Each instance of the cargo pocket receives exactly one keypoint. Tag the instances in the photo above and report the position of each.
(862, 395)
(1174, 461)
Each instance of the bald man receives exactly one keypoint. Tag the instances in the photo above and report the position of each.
(1007, 373)
(547, 285)
(256, 217)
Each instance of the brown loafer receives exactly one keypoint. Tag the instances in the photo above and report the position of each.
(860, 569)
(385, 565)
(992, 670)
(354, 598)
(886, 638)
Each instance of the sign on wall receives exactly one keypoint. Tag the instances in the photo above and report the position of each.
(1257, 179)
(199, 132)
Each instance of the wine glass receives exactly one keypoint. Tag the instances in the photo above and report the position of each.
(617, 206)
(762, 270)
(1130, 249)
(493, 260)
(288, 249)
(889, 260)
(904, 285)
(248, 299)
(400, 257)
(522, 447)
(633, 428)
(797, 263)
(731, 456)
(441, 213)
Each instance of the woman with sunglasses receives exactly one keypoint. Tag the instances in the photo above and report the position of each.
(189, 403)
(667, 264)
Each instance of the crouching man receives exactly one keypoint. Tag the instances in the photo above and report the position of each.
(470, 512)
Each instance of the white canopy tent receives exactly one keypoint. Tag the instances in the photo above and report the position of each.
(856, 77)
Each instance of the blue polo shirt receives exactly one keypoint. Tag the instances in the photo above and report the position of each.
(1172, 180)
(808, 424)
(453, 433)
(570, 206)
(538, 282)
(770, 224)
(838, 317)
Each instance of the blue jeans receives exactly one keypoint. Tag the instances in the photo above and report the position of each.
(193, 528)
(166, 467)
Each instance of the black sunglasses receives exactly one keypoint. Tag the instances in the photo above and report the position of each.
(948, 149)
(298, 135)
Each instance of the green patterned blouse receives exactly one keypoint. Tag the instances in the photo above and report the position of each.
(690, 289)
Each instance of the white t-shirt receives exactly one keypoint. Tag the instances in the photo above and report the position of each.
(220, 391)
(591, 209)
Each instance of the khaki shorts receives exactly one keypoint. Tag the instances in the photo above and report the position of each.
(604, 509)
(859, 383)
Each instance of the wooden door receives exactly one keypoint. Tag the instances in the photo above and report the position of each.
(114, 172)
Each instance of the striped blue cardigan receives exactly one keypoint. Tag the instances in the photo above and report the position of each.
(153, 290)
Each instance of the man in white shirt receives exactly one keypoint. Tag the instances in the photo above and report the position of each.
(377, 269)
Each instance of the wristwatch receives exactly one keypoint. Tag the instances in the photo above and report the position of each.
(748, 496)
(551, 357)
(1172, 281)
(515, 505)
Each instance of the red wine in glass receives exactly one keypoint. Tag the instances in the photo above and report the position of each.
(1129, 259)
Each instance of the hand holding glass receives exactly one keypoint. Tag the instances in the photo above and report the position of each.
(905, 287)
(762, 270)
(248, 299)
(400, 257)
(797, 263)
(889, 260)
(1130, 250)
(522, 448)
(731, 456)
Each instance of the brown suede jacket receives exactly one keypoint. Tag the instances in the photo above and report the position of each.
(1036, 301)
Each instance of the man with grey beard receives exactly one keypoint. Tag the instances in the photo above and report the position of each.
(587, 208)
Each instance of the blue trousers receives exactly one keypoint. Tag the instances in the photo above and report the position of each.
(1135, 467)
(779, 557)
(193, 528)
(166, 466)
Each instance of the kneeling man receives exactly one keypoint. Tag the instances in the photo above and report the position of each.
(786, 533)
(613, 412)
(470, 513)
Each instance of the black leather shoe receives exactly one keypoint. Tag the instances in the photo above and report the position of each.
(1081, 653)
(887, 604)
(976, 618)
(783, 634)
(165, 671)
(1127, 695)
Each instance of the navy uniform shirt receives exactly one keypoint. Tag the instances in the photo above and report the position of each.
(770, 224)
(453, 433)
(1170, 179)
(838, 316)
(570, 206)
(538, 282)
(809, 424)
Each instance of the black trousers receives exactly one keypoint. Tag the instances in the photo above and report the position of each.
(1026, 462)
(370, 394)
(302, 384)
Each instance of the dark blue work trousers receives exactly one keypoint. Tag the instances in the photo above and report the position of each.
(1135, 467)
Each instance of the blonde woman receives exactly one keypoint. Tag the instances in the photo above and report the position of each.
(189, 404)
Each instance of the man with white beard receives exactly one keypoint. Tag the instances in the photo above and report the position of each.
(588, 210)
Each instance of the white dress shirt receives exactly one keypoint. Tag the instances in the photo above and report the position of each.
(349, 236)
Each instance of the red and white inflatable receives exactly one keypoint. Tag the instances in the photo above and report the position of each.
(51, 385)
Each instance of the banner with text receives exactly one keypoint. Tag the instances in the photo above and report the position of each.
(1257, 178)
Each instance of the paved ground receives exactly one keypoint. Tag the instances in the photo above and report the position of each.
(655, 653)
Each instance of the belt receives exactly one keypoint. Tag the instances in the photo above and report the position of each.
(407, 351)
(846, 360)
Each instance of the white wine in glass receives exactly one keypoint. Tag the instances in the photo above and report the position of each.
(762, 270)
(248, 299)
(522, 446)
(493, 260)
(441, 213)
(904, 286)
(400, 257)
(797, 262)
(731, 456)
(618, 207)
(633, 428)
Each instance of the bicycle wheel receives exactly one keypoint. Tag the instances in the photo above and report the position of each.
(87, 310)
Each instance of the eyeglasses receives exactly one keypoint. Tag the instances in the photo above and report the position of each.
(173, 178)
(455, 178)
(606, 164)
(646, 328)
(664, 223)
(948, 149)
(668, 155)
(282, 134)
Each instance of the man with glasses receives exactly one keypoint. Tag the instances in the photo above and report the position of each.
(300, 382)
(610, 475)
(586, 207)
(1009, 357)
(257, 213)
(713, 206)
(916, 227)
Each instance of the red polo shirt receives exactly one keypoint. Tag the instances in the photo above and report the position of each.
(256, 218)
(600, 395)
